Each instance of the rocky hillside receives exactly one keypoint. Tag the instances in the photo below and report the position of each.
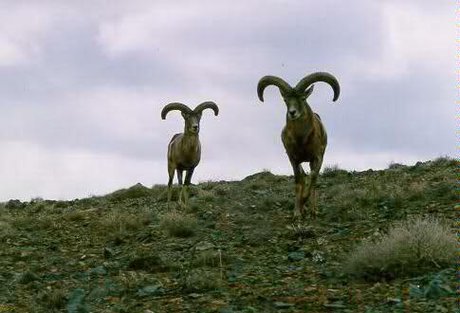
(234, 249)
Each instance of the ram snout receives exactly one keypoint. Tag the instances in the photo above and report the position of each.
(193, 124)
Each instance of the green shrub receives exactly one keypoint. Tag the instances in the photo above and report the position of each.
(147, 262)
(133, 192)
(445, 161)
(333, 171)
(395, 166)
(409, 248)
(15, 204)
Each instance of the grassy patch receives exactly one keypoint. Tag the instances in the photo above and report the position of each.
(235, 248)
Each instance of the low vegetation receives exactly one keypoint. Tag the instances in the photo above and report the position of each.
(383, 241)
(411, 247)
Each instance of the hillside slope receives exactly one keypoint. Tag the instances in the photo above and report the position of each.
(233, 250)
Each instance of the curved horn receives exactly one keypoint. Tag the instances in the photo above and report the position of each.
(305, 82)
(207, 105)
(174, 106)
(272, 80)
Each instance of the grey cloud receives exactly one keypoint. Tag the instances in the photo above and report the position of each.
(408, 114)
(77, 96)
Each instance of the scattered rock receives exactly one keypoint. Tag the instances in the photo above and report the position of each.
(151, 290)
(282, 305)
(336, 305)
(150, 263)
(98, 293)
(227, 309)
(194, 295)
(98, 271)
(108, 253)
(76, 303)
(296, 256)
(28, 277)
(393, 301)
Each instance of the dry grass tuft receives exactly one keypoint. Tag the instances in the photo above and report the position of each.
(410, 247)
(123, 222)
(178, 224)
(202, 280)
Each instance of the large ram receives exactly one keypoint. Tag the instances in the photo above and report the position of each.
(304, 136)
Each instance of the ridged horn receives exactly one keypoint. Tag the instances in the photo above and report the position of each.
(207, 105)
(174, 106)
(305, 82)
(272, 80)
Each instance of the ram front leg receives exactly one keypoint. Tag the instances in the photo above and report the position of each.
(179, 178)
(299, 175)
(310, 193)
(170, 183)
(188, 179)
(299, 203)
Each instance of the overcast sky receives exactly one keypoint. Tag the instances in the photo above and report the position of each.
(82, 84)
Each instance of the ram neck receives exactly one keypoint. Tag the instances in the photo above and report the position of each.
(190, 142)
(302, 127)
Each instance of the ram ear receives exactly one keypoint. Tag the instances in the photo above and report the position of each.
(309, 91)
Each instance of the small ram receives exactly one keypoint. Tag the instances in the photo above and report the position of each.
(184, 149)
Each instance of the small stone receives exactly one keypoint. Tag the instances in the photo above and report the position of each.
(393, 301)
(336, 305)
(98, 293)
(150, 290)
(28, 277)
(108, 253)
(194, 295)
(296, 256)
(100, 270)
